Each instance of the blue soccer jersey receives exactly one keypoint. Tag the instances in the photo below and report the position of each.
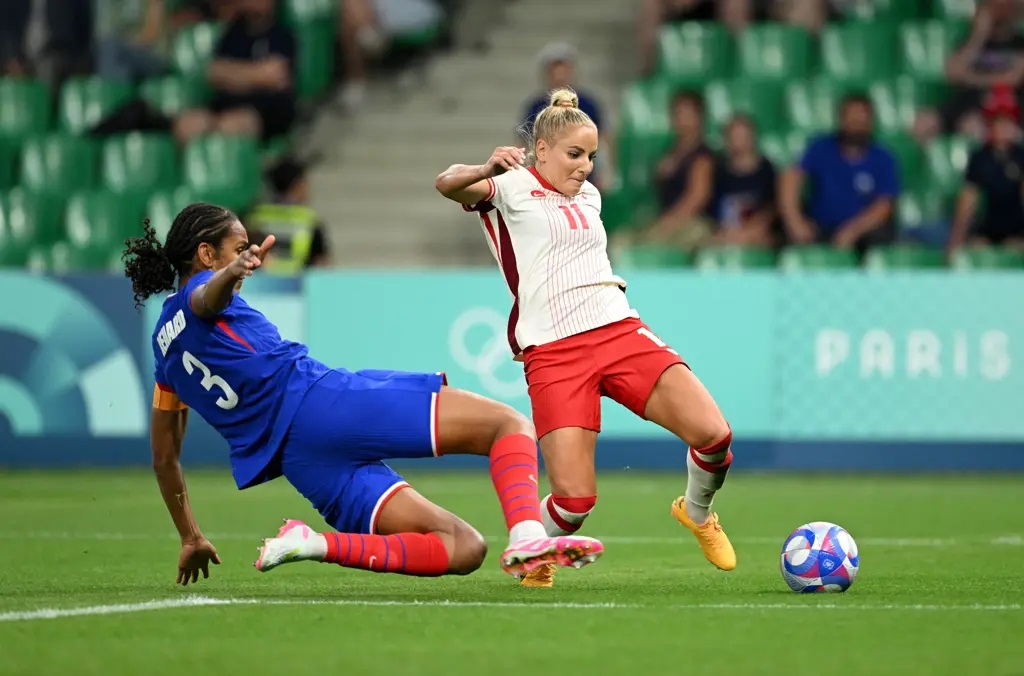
(237, 372)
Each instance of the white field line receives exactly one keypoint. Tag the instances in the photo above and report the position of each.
(198, 601)
(898, 542)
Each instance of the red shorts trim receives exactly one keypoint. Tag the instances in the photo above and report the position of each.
(567, 378)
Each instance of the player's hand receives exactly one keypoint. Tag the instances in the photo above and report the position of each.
(251, 258)
(196, 556)
(506, 158)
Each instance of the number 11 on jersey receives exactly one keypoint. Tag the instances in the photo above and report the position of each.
(569, 212)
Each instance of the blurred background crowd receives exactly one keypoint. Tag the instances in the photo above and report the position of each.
(747, 133)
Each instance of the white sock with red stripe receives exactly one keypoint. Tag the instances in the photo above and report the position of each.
(564, 516)
(706, 469)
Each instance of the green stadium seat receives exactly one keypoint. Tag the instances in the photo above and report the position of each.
(898, 101)
(24, 108)
(784, 150)
(163, 206)
(193, 47)
(694, 53)
(816, 257)
(418, 38)
(811, 105)
(58, 164)
(988, 258)
(139, 162)
(315, 59)
(953, 9)
(775, 52)
(652, 256)
(859, 52)
(887, 9)
(299, 12)
(8, 163)
(100, 219)
(909, 157)
(922, 208)
(925, 45)
(904, 257)
(734, 258)
(28, 218)
(172, 94)
(946, 160)
(760, 99)
(223, 168)
(85, 101)
(64, 257)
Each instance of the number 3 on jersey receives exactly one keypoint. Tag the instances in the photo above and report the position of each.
(209, 381)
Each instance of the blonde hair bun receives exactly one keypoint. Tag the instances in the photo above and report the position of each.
(564, 98)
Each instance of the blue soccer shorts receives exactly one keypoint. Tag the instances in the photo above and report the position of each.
(347, 425)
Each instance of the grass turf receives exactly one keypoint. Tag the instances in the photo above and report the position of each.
(938, 592)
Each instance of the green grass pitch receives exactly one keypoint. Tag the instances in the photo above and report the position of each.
(940, 588)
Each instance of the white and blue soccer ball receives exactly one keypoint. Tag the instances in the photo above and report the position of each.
(819, 557)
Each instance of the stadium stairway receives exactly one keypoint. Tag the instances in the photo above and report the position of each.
(375, 185)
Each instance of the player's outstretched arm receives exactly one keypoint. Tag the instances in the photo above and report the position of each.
(167, 432)
(210, 299)
(467, 183)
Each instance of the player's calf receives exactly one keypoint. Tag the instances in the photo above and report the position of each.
(707, 466)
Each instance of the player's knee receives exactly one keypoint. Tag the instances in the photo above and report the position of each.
(713, 433)
(469, 550)
(514, 422)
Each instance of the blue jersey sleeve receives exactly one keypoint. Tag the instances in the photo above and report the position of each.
(194, 283)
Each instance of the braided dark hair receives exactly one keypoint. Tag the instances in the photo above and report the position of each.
(155, 267)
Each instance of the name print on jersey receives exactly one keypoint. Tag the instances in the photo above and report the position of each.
(170, 330)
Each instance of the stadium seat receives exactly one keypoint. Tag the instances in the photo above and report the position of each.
(193, 47)
(652, 256)
(909, 157)
(315, 59)
(734, 258)
(925, 45)
(58, 164)
(988, 258)
(171, 94)
(101, 220)
(225, 169)
(859, 52)
(8, 163)
(784, 149)
(953, 9)
(63, 257)
(898, 101)
(694, 53)
(922, 208)
(760, 99)
(24, 108)
(887, 9)
(777, 52)
(84, 101)
(946, 160)
(139, 162)
(27, 218)
(163, 206)
(815, 257)
(904, 257)
(811, 105)
(299, 12)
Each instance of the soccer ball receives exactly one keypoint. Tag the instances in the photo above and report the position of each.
(819, 557)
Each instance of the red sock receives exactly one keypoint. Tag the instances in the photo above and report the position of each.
(514, 473)
(422, 555)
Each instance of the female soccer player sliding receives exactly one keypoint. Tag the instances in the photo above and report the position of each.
(327, 431)
(577, 334)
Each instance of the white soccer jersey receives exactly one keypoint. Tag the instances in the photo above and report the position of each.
(553, 252)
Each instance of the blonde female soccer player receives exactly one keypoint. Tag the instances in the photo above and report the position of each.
(575, 330)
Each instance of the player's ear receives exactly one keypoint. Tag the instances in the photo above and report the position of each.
(206, 253)
(541, 153)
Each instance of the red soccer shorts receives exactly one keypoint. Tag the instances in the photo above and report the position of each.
(568, 377)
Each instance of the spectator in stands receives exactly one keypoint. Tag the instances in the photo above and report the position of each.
(558, 69)
(253, 78)
(131, 39)
(744, 189)
(190, 12)
(367, 26)
(656, 13)
(853, 184)
(993, 54)
(995, 172)
(47, 39)
(684, 178)
(300, 233)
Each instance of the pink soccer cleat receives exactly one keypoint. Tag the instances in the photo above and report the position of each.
(293, 543)
(567, 550)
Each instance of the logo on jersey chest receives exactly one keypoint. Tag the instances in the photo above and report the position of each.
(169, 331)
